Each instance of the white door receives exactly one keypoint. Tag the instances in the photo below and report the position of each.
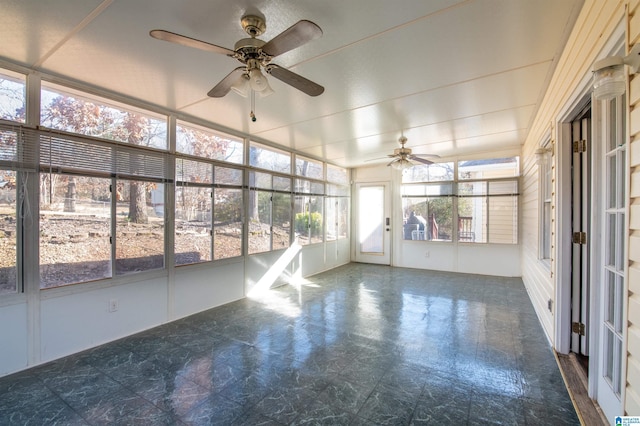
(373, 223)
(612, 258)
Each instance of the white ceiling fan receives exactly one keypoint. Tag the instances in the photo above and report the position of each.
(404, 158)
(255, 54)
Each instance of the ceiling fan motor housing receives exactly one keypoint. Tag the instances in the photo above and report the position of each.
(253, 25)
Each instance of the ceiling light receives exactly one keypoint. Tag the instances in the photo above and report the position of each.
(401, 164)
(242, 86)
(609, 79)
(259, 82)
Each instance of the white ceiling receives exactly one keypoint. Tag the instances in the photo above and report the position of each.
(458, 78)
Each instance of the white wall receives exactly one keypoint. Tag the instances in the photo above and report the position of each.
(57, 322)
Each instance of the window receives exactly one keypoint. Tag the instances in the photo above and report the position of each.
(75, 229)
(428, 207)
(12, 96)
(546, 180)
(309, 168)
(83, 180)
(65, 110)
(269, 158)
(337, 175)
(336, 212)
(208, 220)
(269, 212)
(480, 206)
(428, 211)
(308, 211)
(201, 142)
(8, 232)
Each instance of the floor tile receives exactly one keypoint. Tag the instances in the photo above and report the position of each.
(359, 345)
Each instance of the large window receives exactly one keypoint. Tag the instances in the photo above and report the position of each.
(208, 220)
(478, 204)
(545, 191)
(269, 212)
(75, 229)
(206, 143)
(69, 111)
(8, 232)
(115, 188)
(101, 171)
(308, 211)
(12, 96)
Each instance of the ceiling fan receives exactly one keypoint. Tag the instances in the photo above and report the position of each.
(403, 158)
(255, 54)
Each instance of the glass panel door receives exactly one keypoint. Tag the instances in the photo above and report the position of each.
(373, 224)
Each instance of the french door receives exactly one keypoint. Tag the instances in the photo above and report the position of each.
(612, 257)
(373, 223)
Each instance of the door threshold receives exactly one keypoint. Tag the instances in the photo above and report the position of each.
(575, 379)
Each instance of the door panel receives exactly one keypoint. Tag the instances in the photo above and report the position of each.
(580, 283)
(373, 223)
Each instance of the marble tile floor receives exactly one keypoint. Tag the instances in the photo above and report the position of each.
(358, 345)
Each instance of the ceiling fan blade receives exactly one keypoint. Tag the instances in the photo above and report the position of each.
(295, 80)
(224, 86)
(295, 36)
(420, 160)
(426, 155)
(190, 42)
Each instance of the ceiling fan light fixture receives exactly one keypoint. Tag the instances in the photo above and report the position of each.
(258, 80)
(401, 164)
(242, 86)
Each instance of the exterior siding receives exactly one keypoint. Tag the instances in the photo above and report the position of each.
(595, 25)
(632, 394)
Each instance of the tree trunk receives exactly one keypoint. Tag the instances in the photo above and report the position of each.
(70, 197)
(137, 203)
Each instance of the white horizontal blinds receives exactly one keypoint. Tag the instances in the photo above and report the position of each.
(194, 172)
(61, 152)
(18, 148)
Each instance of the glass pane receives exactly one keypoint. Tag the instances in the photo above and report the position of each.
(193, 171)
(490, 168)
(8, 230)
(269, 158)
(343, 217)
(610, 294)
(309, 168)
(281, 221)
(619, 303)
(472, 219)
(77, 113)
(610, 253)
(503, 220)
(202, 142)
(617, 370)
(428, 173)
(428, 218)
(621, 179)
(281, 183)
(620, 255)
(227, 176)
(609, 340)
(227, 224)
(75, 229)
(508, 187)
(612, 141)
(331, 219)
(260, 180)
(371, 219)
(472, 188)
(308, 219)
(192, 225)
(139, 226)
(259, 221)
(12, 97)
(337, 174)
(612, 174)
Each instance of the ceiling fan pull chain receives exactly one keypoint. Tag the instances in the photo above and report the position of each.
(253, 105)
